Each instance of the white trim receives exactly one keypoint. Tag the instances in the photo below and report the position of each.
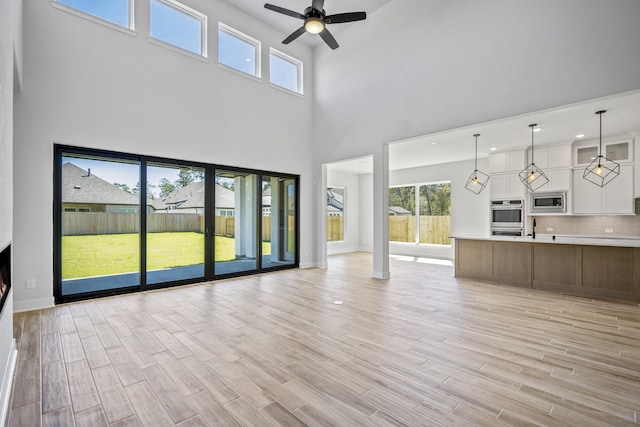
(383, 275)
(257, 44)
(294, 61)
(7, 382)
(284, 89)
(187, 11)
(178, 49)
(33, 304)
(311, 264)
(96, 19)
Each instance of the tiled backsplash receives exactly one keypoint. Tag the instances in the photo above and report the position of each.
(622, 226)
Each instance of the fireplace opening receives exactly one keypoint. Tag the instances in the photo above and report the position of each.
(5, 275)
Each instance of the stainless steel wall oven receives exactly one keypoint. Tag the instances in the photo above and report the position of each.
(507, 217)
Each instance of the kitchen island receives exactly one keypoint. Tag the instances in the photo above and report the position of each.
(586, 266)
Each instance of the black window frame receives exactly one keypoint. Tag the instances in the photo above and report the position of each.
(209, 249)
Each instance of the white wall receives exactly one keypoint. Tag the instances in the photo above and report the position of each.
(8, 33)
(92, 86)
(401, 74)
(465, 62)
(351, 184)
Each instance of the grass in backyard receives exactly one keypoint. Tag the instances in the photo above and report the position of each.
(97, 255)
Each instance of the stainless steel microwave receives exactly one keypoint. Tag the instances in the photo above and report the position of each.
(549, 202)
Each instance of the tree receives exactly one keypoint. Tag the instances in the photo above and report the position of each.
(166, 187)
(123, 187)
(188, 175)
(225, 182)
(435, 199)
(403, 197)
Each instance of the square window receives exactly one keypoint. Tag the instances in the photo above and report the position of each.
(118, 12)
(238, 51)
(178, 25)
(285, 71)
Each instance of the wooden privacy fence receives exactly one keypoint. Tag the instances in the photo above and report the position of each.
(91, 223)
(87, 223)
(335, 228)
(433, 229)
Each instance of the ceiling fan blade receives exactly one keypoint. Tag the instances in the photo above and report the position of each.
(284, 11)
(339, 18)
(318, 5)
(328, 39)
(297, 33)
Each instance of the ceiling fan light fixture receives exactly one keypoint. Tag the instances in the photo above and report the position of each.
(314, 25)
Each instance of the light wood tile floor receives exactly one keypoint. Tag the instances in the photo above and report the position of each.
(419, 349)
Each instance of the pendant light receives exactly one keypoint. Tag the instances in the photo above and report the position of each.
(477, 180)
(532, 176)
(601, 170)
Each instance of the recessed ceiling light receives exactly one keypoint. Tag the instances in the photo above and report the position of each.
(433, 143)
(493, 148)
(537, 129)
(247, 59)
(581, 135)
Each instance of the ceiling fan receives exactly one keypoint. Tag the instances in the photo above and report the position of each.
(315, 21)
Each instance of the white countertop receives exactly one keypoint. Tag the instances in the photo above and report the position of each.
(630, 242)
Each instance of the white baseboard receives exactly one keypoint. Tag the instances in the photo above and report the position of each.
(341, 250)
(308, 264)
(33, 304)
(381, 274)
(7, 382)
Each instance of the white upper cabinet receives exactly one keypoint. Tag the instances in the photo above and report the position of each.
(614, 198)
(505, 181)
(559, 156)
(509, 161)
(617, 149)
(555, 162)
(551, 156)
(506, 186)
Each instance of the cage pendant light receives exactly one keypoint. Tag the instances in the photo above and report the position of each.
(477, 180)
(601, 170)
(532, 176)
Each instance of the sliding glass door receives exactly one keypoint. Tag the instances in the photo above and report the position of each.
(279, 206)
(99, 218)
(236, 248)
(186, 222)
(175, 222)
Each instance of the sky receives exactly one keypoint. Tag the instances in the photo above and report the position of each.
(185, 31)
(122, 173)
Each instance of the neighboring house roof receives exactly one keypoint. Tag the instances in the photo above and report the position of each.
(335, 198)
(331, 209)
(78, 186)
(192, 196)
(397, 210)
(189, 196)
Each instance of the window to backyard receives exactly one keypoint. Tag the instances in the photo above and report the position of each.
(335, 214)
(178, 25)
(238, 51)
(118, 12)
(430, 223)
(285, 71)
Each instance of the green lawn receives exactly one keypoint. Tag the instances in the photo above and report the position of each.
(86, 256)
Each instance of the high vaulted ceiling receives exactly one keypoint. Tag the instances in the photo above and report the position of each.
(287, 25)
(558, 125)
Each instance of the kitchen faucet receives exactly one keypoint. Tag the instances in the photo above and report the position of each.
(533, 233)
